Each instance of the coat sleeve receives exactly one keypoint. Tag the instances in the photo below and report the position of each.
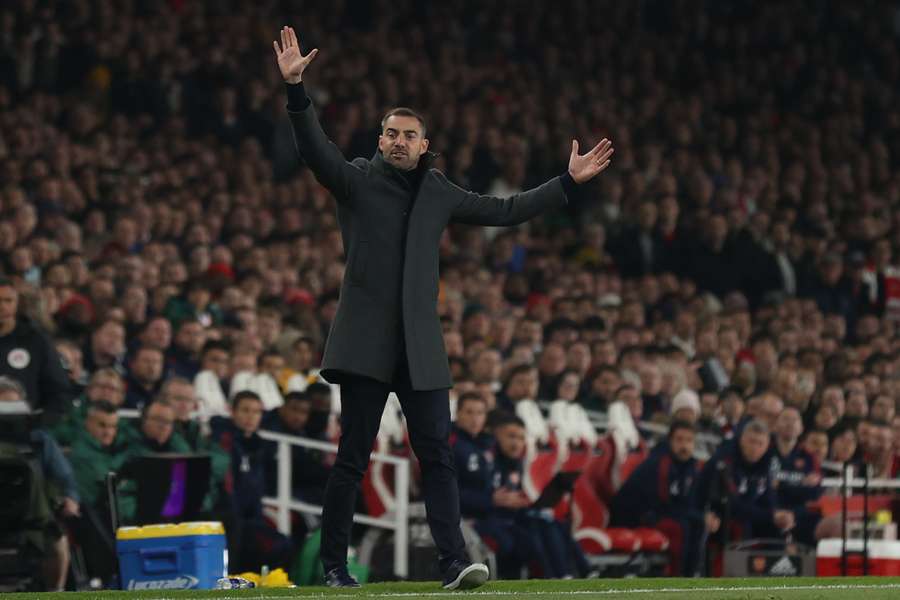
(321, 154)
(479, 209)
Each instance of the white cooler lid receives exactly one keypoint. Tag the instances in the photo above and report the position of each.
(885, 549)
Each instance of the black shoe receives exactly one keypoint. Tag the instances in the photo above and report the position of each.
(340, 578)
(464, 575)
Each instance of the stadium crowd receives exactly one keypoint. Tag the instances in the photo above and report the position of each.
(163, 250)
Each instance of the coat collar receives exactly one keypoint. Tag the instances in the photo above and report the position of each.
(425, 162)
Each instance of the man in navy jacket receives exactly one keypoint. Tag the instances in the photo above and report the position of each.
(258, 543)
(659, 494)
(473, 453)
(737, 485)
(797, 474)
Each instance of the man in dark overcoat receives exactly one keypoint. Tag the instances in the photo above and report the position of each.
(386, 335)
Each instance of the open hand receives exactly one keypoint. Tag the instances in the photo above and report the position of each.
(587, 166)
(290, 61)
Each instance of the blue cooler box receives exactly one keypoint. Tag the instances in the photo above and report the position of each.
(172, 557)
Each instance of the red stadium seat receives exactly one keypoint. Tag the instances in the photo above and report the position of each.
(589, 519)
(540, 469)
(652, 540)
(593, 492)
(631, 462)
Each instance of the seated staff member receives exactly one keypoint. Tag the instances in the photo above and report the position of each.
(659, 494)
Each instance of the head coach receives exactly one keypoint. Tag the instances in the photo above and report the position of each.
(386, 335)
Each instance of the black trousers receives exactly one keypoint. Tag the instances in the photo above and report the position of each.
(428, 420)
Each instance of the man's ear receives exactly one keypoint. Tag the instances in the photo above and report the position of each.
(424, 145)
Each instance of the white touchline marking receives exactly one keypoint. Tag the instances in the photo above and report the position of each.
(605, 592)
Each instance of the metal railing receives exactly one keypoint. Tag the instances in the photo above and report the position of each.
(396, 521)
(853, 481)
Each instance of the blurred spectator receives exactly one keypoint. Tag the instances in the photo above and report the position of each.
(259, 543)
(736, 484)
(105, 385)
(568, 419)
(604, 383)
(106, 347)
(881, 455)
(308, 470)
(156, 431)
(97, 450)
(212, 383)
(798, 475)
(144, 376)
(473, 453)
(815, 442)
(843, 444)
(183, 358)
(531, 534)
(29, 357)
(686, 406)
(179, 393)
(659, 494)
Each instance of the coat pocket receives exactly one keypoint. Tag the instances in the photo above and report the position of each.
(359, 256)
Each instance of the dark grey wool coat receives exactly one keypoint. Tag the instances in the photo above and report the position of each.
(382, 275)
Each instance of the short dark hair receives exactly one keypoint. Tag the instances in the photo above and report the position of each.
(680, 424)
(518, 370)
(469, 397)
(211, 345)
(244, 395)
(502, 418)
(402, 111)
(304, 339)
(6, 282)
(296, 396)
(266, 354)
(145, 347)
(145, 410)
(318, 388)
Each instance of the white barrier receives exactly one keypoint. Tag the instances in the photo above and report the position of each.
(284, 503)
(853, 481)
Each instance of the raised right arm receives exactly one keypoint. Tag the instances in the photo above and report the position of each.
(320, 154)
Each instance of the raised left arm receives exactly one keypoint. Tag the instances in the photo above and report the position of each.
(479, 209)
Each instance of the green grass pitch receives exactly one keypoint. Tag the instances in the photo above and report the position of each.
(794, 588)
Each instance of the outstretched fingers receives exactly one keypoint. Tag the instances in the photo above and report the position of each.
(605, 155)
(601, 147)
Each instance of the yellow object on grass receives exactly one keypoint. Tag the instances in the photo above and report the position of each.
(276, 578)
